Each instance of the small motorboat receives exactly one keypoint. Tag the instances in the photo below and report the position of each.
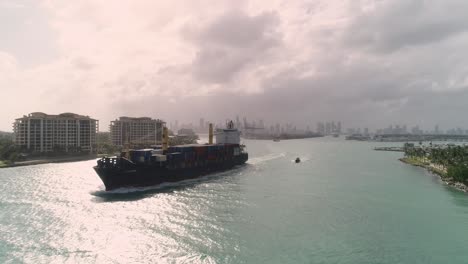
(297, 160)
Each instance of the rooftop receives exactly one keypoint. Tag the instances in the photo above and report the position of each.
(126, 118)
(66, 115)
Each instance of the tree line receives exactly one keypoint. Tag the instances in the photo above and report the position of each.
(451, 159)
(8, 150)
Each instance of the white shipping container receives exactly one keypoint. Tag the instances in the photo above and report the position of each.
(160, 157)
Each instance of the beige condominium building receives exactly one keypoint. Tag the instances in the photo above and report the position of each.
(136, 131)
(39, 132)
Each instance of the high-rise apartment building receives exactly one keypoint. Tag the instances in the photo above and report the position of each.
(69, 132)
(136, 131)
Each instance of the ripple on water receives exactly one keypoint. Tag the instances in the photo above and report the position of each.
(345, 204)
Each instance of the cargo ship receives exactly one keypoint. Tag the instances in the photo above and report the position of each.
(148, 167)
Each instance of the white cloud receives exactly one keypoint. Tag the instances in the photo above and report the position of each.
(296, 60)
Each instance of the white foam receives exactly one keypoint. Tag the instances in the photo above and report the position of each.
(303, 159)
(261, 159)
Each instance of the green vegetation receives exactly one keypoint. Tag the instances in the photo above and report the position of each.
(448, 161)
(6, 135)
(104, 144)
(415, 161)
(8, 151)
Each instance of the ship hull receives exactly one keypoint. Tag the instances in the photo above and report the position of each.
(140, 176)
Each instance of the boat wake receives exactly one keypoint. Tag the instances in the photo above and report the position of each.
(261, 159)
(303, 159)
(127, 190)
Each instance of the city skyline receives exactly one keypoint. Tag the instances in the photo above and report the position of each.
(325, 127)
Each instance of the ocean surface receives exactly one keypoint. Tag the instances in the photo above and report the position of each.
(345, 203)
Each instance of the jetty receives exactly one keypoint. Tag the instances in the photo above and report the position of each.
(396, 149)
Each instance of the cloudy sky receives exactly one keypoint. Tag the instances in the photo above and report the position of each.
(364, 62)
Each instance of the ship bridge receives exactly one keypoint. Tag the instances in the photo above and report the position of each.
(229, 135)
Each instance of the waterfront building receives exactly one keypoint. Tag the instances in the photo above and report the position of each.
(186, 132)
(351, 131)
(69, 132)
(136, 131)
(416, 131)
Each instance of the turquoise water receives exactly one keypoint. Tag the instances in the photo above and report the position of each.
(345, 203)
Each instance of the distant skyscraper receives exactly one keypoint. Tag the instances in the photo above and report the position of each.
(202, 123)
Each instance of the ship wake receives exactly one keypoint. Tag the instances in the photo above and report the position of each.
(262, 159)
(303, 159)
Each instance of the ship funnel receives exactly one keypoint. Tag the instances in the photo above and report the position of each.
(210, 134)
(165, 141)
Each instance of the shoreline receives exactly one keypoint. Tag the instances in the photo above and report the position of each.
(394, 149)
(443, 177)
(46, 160)
(280, 138)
